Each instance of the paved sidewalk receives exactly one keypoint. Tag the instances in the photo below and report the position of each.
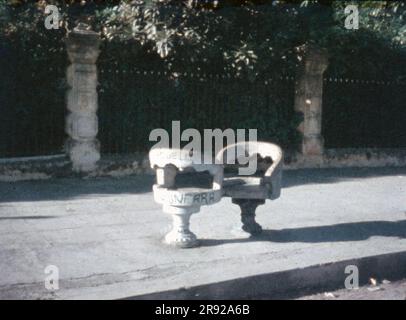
(105, 236)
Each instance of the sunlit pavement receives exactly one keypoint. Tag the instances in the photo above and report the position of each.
(105, 236)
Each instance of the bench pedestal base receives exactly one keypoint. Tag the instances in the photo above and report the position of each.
(249, 226)
(180, 236)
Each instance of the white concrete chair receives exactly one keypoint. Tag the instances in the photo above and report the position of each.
(250, 191)
(179, 200)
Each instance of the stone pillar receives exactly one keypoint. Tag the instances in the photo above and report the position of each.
(308, 99)
(82, 145)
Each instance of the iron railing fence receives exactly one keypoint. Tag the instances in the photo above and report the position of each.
(364, 113)
(32, 105)
(356, 113)
(145, 101)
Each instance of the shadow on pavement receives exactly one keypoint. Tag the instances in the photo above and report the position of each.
(74, 188)
(357, 231)
(297, 177)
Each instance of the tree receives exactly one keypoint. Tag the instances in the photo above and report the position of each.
(240, 37)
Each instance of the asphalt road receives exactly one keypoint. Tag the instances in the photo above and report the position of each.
(384, 290)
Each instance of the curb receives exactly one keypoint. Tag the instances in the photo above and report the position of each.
(293, 283)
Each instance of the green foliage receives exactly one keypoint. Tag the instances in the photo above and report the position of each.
(241, 37)
(250, 41)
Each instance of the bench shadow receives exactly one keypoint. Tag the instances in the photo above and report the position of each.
(356, 231)
(297, 177)
(75, 188)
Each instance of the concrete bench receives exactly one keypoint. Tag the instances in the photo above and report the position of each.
(250, 191)
(181, 200)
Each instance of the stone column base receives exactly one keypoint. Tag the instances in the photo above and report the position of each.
(312, 145)
(84, 155)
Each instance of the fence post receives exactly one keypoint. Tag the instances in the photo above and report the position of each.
(82, 145)
(308, 99)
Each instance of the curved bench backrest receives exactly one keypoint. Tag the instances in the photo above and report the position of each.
(273, 174)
